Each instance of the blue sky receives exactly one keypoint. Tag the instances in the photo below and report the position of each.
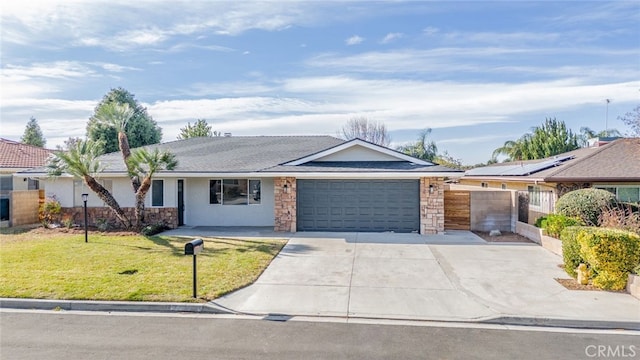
(477, 73)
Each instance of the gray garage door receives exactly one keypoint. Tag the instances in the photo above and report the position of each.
(358, 205)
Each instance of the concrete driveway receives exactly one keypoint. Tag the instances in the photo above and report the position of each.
(456, 276)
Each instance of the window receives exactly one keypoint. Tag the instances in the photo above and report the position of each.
(626, 193)
(503, 186)
(484, 185)
(157, 193)
(33, 184)
(6, 183)
(534, 195)
(234, 192)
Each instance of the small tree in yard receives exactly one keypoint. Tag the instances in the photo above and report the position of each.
(141, 164)
(81, 161)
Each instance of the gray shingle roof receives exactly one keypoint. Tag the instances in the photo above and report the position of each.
(235, 153)
(251, 154)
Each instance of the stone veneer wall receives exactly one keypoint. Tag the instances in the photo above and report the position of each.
(169, 216)
(285, 204)
(431, 206)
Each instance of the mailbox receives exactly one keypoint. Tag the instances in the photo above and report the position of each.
(194, 247)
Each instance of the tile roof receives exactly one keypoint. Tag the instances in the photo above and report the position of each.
(18, 155)
(618, 160)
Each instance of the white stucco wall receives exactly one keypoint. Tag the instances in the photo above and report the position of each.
(358, 153)
(198, 211)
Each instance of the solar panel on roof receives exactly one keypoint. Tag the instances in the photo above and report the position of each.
(517, 170)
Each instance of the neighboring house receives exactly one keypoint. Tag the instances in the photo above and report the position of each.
(290, 183)
(15, 157)
(613, 166)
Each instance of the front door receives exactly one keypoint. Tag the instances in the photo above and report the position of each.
(180, 202)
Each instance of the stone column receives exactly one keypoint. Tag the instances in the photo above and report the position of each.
(285, 204)
(431, 205)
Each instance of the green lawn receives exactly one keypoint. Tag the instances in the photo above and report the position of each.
(52, 265)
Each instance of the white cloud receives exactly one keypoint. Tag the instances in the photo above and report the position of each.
(430, 30)
(390, 37)
(354, 40)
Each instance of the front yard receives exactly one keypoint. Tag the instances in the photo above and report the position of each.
(56, 265)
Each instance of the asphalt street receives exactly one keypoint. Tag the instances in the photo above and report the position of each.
(70, 335)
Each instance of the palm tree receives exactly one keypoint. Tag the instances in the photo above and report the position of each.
(144, 164)
(587, 133)
(118, 115)
(513, 149)
(422, 148)
(81, 161)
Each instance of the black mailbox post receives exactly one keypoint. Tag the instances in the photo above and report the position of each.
(194, 247)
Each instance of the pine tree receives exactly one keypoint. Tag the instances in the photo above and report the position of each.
(33, 134)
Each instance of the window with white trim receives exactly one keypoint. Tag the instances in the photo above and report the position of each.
(234, 191)
(157, 193)
(534, 195)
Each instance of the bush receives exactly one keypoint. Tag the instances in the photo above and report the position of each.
(540, 222)
(571, 248)
(585, 204)
(555, 223)
(621, 217)
(611, 254)
(153, 229)
(49, 212)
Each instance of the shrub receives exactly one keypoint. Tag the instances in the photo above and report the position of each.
(571, 248)
(67, 222)
(153, 229)
(49, 212)
(555, 223)
(636, 270)
(621, 217)
(585, 204)
(540, 222)
(611, 253)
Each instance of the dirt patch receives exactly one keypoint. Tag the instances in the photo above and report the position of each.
(572, 284)
(506, 236)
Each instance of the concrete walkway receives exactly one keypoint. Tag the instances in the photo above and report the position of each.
(453, 277)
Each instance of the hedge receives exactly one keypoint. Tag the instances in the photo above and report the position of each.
(555, 223)
(611, 254)
(571, 248)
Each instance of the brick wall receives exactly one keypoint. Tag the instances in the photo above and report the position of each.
(431, 205)
(23, 207)
(285, 204)
(95, 215)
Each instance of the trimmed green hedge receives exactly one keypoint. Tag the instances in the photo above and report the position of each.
(571, 248)
(555, 223)
(611, 254)
(585, 204)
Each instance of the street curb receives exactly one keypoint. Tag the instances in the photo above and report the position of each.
(563, 323)
(123, 306)
(210, 308)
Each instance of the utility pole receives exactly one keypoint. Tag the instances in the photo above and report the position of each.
(606, 120)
